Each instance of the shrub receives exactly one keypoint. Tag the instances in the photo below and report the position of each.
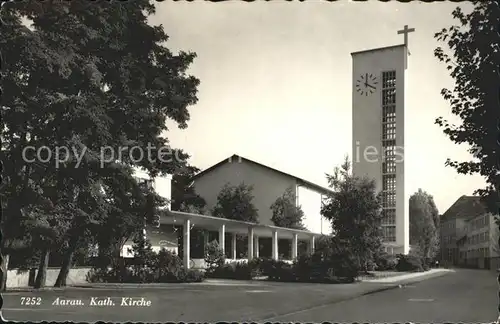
(256, 267)
(170, 267)
(97, 275)
(236, 270)
(385, 262)
(194, 276)
(303, 267)
(214, 257)
(164, 266)
(409, 263)
(273, 268)
(225, 271)
(330, 263)
(264, 265)
(281, 271)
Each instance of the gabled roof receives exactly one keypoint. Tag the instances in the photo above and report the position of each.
(238, 159)
(466, 207)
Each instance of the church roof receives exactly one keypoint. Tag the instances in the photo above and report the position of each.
(378, 49)
(466, 207)
(238, 158)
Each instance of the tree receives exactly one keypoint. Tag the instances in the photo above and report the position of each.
(286, 213)
(184, 197)
(424, 224)
(473, 64)
(236, 202)
(80, 97)
(354, 210)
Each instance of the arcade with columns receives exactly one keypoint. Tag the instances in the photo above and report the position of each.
(187, 221)
(223, 226)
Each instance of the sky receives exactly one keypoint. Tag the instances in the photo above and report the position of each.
(276, 85)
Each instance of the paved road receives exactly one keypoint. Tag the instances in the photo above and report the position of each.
(465, 296)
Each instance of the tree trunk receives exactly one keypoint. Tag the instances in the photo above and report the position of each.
(66, 266)
(67, 262)
(4, 267)
(41, 276)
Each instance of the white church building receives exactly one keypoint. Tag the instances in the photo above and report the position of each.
(268, 185)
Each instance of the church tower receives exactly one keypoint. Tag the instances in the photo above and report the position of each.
(378, 134)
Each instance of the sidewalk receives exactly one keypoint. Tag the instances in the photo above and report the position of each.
(413, 277)
(387, 280)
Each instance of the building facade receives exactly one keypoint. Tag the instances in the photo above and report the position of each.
(378, 117)
(451, 231)
(478, 248)
(469, 235)
(172, 232)
(268, 185)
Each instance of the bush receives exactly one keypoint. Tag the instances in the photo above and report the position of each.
(236, 270)
(97, 275)
(278, 270)
(303, 267)
(409, 263)
(170, 267)
(273, 268)
(194, 276)
(214, 257)
(147, 267)
(385, 262)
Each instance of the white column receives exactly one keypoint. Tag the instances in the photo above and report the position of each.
(256, 246)
(275, 245)
(222, 238)
(294, 246)
(311, 245)
(250, 244)
(187, 246)
(233, 246)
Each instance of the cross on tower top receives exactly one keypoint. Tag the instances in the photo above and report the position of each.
(406, 31)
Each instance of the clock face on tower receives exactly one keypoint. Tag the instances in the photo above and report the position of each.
(366, 84)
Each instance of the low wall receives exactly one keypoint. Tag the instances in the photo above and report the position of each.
(17, 279)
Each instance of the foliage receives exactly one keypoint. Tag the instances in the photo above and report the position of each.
(236, 202)
(147, 267)
(409, 263)
(473, 64)
(214, 257)
(235, 270)
(354, 209)
(194, 276)
(424, 224)
(331, 265)
(385, 262)
(90, 101)
(184, 197)
(286, 213)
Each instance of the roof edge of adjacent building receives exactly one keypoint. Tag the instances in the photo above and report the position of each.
(465, 207)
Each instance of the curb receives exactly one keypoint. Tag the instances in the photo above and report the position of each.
(31, 289)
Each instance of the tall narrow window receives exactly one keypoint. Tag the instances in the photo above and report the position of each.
(389, 161)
